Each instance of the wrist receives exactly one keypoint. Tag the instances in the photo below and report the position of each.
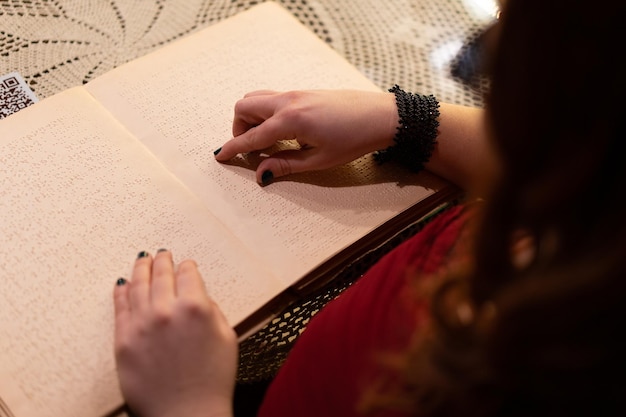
(391, 122)
(416, 130)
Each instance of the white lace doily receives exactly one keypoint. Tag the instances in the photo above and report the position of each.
(57, 44)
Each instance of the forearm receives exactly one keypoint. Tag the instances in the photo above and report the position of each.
(461, 152)
(337, 126)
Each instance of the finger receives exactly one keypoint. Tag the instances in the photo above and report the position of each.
(252, 111)
(260, 93)
(261, 137)
(290, 162)
(121, 307)
(139, 287)
(189, 282)
(162, 287)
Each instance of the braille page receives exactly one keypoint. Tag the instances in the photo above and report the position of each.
(179, 101)
(79, 199)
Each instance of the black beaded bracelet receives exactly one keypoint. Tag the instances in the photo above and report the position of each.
(417, 133)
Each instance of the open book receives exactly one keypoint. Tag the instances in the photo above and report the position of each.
(97, 173)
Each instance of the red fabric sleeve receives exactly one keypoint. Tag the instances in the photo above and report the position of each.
(334, 358)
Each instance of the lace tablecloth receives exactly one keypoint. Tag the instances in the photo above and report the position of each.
(57, 44)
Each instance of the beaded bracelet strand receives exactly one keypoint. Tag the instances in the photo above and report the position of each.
(416, 134)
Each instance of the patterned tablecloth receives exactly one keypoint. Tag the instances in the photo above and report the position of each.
(57, 44)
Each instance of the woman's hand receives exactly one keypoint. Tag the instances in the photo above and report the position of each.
(176, 354)
(332, 128)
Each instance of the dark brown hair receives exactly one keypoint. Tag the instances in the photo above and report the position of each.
(544, 340)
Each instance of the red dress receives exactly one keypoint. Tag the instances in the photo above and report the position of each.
(334, 360)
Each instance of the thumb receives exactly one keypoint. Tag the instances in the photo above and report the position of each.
(285, 163)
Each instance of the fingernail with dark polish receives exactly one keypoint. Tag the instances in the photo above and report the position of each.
(142, 254)
(162, 250)
(120, 282)
(218, 150)
(267, 177)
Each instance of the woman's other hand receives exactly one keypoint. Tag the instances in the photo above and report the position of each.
(176, 354)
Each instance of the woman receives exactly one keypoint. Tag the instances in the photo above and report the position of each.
(512, 307)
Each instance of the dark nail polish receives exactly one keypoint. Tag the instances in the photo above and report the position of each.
(162, 250)
(142, 254)
(218, 150)
(120, 282)
(267, 177)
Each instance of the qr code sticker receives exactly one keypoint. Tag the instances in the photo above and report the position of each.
(14, 94)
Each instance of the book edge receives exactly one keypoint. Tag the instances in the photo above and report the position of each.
(321, 275)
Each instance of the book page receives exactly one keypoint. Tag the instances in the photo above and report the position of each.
(179, 101)
(80, 199)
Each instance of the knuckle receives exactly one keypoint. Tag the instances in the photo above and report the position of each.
(192, 309)
(123, 349)
(293, 96)
(284, 166)
(126, 348)
(187, 266)
(240, 105)
(250, 139)
(161, 317)
(294, 114)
